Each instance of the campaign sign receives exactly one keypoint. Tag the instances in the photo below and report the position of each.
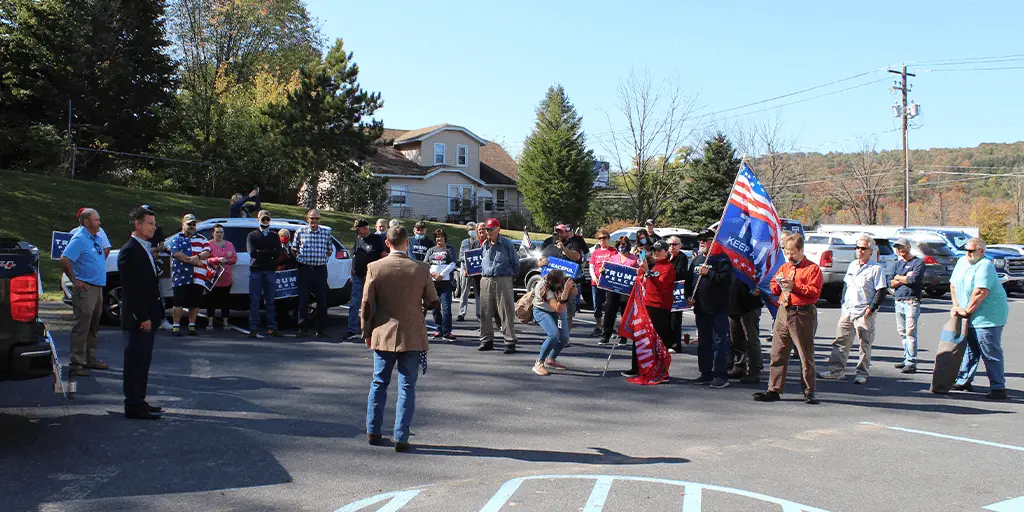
(474, 262)
(617, 278)
(679, 298)
(58, 243)
(569, 268)
(211, 281)
(287, 284)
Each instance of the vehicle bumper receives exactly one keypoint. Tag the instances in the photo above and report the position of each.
(33, 360)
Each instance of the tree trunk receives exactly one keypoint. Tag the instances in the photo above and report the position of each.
(313, 190)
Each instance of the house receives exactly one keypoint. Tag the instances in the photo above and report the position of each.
(447, 173)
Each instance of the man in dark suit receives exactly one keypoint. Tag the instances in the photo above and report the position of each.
(141, 312)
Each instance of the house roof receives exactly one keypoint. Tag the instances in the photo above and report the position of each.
(496, 166)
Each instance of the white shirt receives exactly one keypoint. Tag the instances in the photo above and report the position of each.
(148, 246)
(861, 283)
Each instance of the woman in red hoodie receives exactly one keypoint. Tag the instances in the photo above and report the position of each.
(659, 285)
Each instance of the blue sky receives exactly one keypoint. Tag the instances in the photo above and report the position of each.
(486, 65)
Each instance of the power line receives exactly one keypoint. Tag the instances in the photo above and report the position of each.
(970, 69)
(937, 61)
(966, 166)
(858, 75)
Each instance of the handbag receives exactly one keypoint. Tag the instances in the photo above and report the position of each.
(950, 354)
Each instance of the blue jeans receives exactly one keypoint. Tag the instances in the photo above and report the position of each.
(354, 305)
(383, 363)
(713, 346)
(907, 314)
(983, 343)
(557, 336)
(443, 312)
(597, 296)
(262, 285)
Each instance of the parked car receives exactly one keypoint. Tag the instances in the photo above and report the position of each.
(883, 253)
(1009, 263)
(793, 226)
(939, 260)
(339, 269)
(26, 350)
(529, 272)
(833, 254)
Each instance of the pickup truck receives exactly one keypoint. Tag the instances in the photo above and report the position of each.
(26, 348)
(1008, 262)
(833, 254)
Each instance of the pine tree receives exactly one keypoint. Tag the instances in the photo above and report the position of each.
(324, 126)
(707, 183)
(556, 170)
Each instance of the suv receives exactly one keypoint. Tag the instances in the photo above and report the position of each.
(339, 268)
(26, 351)
(1008, 262)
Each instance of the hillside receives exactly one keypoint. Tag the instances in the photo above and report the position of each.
(34, 206)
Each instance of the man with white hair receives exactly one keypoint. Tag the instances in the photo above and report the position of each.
(864, 290)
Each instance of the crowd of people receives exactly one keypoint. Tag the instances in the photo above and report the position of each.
(387, 309)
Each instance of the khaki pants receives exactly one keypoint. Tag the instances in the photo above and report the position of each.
(497, 298)
(793, 327)
(863, 329)
(87, 306)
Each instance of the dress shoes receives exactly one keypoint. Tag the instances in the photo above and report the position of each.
(375, 439)
(140, 413)
(153, 408)
(402, 447)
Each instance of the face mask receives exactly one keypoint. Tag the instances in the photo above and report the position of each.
(419, 237)
(623, 249)
(641, 241)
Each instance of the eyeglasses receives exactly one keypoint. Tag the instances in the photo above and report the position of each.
(191, 224)
(673, 244)
(859, 248)
(603, 238)
(972, 251)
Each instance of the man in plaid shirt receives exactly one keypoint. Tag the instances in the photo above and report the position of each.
(313, 249)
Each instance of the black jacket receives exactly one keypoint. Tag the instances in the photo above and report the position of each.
(140, 287)
(264, 250)
(367, 250)
(682, 266)
(741, 300)
(712, 296)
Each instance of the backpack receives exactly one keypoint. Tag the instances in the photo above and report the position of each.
(524, 308)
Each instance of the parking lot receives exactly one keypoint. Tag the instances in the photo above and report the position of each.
(279, 424)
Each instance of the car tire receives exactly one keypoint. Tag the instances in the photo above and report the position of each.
(112, 302)
(935, 293)
(532, 280)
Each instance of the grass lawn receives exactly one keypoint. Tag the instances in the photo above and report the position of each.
(35, 206)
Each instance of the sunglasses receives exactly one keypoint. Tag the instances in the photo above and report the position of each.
(673, 244)
(191, 224)
(602, 238)
(972, 251)
(859, 248)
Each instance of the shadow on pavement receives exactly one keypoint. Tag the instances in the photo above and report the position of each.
(603, 456)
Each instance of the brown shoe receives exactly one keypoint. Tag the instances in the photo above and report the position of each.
(402, 447)
(738, 372)
(79, 371)
(375, 439)
(96, 364)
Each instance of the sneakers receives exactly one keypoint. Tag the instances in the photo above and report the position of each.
(510, 349)
(996, 394)
(449, 337)
(597, 332)
(628, 374)
(539, 369)
(809, 399)
(460, 318)
(176, 330)
(192, 330)
(720, 383)
(227, 325)
(910, 368)
(860, 379)
(435, 335)
(253, 334)
(831, 376)
(209, 326)
(899, 366)
(622, 341)
(766, 396)
(963, 387)
(486, 346)
(604, 342)
(551, 363)
(702, 380)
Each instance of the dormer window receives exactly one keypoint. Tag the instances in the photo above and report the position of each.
(439, 150)
(462, 155)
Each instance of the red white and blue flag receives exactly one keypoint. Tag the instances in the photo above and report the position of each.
(651, 354)
(750, 235)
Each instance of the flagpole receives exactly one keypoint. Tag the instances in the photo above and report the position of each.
(743, 162)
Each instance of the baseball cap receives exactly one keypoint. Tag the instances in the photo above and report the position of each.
(901, 242)
(420, 224)
(80, 210)
(707, 234)
(262, 214)
(360, 223)
(492, 223)
(563, 227)
(650, 222)
(188, 218)
(660, 245)
(146, 207)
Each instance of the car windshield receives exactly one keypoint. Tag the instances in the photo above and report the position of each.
(884, 249)
(793, 227)
(936, 249)
(959, 240)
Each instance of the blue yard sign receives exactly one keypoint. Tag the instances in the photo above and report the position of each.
(58, 243)
(679, 297)
(287, 284)
(617, 278)
(474, 262)
(569, 268)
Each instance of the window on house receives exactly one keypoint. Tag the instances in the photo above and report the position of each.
(460, 198)
(462, 155)
(439, 153)
(500, 200)
(399, 195)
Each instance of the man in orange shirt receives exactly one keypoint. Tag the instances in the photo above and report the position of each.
(798, 285)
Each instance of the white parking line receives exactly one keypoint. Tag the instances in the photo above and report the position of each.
(945, 436)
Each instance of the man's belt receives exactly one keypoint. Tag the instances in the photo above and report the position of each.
(799, 308)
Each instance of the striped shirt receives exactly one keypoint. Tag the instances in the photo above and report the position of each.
(312, 247)
(183, 273)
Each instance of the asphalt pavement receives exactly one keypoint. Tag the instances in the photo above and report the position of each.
(279, 424)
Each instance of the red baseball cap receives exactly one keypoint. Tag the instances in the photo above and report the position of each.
(562, 227)
(492, 223)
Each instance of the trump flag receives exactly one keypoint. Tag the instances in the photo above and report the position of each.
(750, 235)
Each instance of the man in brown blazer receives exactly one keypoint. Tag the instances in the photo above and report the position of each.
(396, 291)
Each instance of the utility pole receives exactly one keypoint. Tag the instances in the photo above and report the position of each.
(905, 113)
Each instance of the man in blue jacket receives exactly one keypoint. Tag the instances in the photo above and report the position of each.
(499, 268)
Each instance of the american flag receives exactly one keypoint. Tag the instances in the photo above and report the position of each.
(750, 234)
(527, 243)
